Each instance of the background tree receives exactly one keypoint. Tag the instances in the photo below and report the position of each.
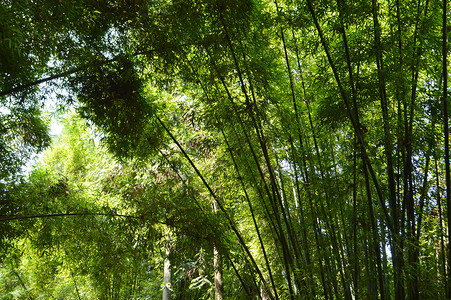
(299, 141)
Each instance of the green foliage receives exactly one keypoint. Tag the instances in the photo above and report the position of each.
(23, 131)
(111, 99)
(298, 139)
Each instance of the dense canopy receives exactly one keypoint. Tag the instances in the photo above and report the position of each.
(225, 149)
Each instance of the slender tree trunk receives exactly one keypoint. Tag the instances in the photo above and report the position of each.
(355, 253)
(217, 266)
(375, 236)
(442, 251)
(217, 261)
(167, 289)
(371, 285)
(446, 129)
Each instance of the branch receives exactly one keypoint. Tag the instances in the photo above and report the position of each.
(75, 70)
(56, 76)
(4, 218)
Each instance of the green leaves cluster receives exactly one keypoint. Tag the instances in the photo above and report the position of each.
(300, 139)
(111, 97)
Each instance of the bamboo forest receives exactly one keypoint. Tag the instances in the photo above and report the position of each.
(224, 149)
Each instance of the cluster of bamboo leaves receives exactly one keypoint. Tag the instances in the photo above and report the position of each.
(267, 149)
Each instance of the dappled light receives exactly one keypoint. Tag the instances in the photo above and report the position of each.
(224, 149)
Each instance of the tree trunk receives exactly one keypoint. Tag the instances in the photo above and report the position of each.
(217, 261)
(446, 129)
(217, 265)
(167, 275)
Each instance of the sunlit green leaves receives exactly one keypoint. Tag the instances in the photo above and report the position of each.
(111, 98)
